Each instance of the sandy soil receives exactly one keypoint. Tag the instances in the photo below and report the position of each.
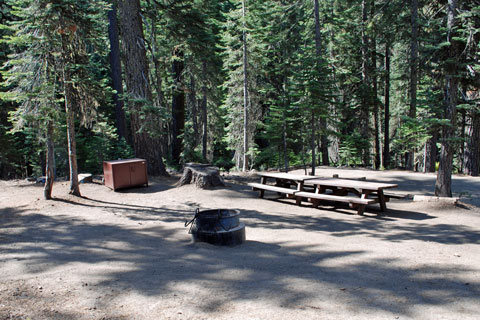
(127, 255)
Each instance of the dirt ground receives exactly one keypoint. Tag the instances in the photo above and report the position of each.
(127, 254)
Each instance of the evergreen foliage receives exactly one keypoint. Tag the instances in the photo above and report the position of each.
(333, 88)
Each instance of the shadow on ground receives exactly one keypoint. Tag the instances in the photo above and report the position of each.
(162, 260)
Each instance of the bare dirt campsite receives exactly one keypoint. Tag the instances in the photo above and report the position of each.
(127, 254)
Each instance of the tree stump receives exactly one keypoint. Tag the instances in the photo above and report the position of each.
(204, 176)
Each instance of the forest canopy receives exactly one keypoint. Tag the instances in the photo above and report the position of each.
(241, 84)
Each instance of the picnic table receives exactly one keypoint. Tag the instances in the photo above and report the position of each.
(283, 183)
(358, 194)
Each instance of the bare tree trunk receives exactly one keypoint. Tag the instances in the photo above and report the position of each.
(386, 142)
(69, 94)
(472, 148)
(116, 73)
(204, 113)
(192, 96)
(323, 120)
(412, 113)
(462, 136)
(364, 123)
(312, 140)
(72, 144)
(50, 163)
(245, 93)
(178, 105)
(374, 97)
(285, 148)
(138, 86)
(443, 185)
(430, 155)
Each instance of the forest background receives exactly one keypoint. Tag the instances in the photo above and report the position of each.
(239, 84)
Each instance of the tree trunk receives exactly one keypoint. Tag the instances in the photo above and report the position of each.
(50, 163)
(285, 147)
(412, 113)
(443, 185)
(364, 123)
(69, 96)
(245, 93)
(313, 140)
(472, 147)
(430, 155)
(463, 139)
(72, 144)
(192, 97)
(323, 120)
(204, 113)
(386, 142)
(178, 105)
(374, 98)
(138, 86)
(116, 73)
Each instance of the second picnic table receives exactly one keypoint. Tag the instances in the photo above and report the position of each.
(329, 189)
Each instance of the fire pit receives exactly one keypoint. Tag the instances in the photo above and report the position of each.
(219, 227)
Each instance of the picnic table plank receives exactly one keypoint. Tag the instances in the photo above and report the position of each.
(353, 184)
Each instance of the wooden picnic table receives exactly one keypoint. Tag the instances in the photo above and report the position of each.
(364, 192)
(358, 194)
(283, 183)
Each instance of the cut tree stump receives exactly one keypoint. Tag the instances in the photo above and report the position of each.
(204, 176)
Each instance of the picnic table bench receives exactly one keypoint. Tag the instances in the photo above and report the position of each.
(358, 194)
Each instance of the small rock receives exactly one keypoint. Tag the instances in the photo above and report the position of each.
(457, 255)
(85, 178)
(41, 179)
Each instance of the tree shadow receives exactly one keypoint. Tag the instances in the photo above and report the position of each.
(154, 185)
(155, 261)
(155, 257)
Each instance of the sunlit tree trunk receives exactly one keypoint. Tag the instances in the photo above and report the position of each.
(50, 160)
(70, 104)
(245, 93)
(443, 185)
(412, 113)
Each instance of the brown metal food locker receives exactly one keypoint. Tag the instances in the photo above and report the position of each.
(125, 173)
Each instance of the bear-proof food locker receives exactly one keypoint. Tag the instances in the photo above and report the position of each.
(125, 173)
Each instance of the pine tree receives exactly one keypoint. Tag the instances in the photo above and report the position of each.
(53, 44)
(144, 115)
